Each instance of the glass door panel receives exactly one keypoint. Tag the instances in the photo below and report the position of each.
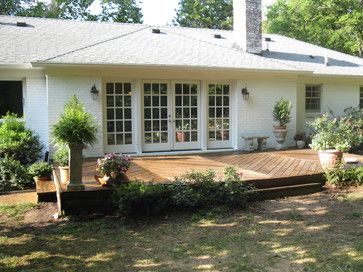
(118, 114)
(186, 116)
(218, 115)
(156, 117)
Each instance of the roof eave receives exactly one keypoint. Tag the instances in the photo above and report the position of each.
(158, 66)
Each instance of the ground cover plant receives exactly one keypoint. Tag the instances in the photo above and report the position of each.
(193, 190)
(320, 232)
(345, 176)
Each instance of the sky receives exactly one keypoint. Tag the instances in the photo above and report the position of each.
(161, 12)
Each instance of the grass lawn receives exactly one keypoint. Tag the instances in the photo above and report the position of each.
(321, 232)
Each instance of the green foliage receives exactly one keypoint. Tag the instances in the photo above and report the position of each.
(113, 164)
(354, 117)
(126, 11)
(345, 176)
(282, 112)
(214, 14)
(75, 126)
(17, 141)
(332, 132)
(190, 191)
(61, 156)
(13, 175)
(40, 170)
(335, 24)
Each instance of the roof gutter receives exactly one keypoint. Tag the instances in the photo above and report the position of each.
(152, 66)
(18, 66)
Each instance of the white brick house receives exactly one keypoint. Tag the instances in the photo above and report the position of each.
(156, 82)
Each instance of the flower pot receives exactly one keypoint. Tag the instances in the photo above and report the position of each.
(64, 174)
(42, 182)
(330, 159)
(180, 136)
(111, 181)
(280, 136)
(300, 144)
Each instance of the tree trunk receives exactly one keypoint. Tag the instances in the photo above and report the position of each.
(75, 168)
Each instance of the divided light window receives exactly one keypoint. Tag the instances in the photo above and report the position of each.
(11, 97)
(119, 115)
(361, 97)
(312, 98)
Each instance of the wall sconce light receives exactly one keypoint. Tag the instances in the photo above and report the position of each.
(245, 93)
(94, 92)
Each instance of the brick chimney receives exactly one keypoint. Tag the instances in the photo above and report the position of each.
(247, 25)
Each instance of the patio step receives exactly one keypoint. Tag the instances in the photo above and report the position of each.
(287, 181)
(285, 191)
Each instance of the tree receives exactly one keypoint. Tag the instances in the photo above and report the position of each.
(335, 24)
(125, 11)
(112, 10)
(215, 14)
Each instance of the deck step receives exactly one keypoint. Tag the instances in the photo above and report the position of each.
(287, 181)
(285, 191)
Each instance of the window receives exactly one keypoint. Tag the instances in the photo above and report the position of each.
(312, 98)
(11, 97)
(218, 112)
(361, 97)
(119, 114)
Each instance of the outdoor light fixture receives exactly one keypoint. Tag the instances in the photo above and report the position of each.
(94, 92)
(245, 93)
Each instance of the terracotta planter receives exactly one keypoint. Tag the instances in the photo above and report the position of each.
(110, 181)
(64, 174)
(300, 144)
(42, 182)
(330, 159)
(180, 136)
(280, 136)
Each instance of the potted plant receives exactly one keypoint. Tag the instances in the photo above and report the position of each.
(76, 128)
(332, 136)
(41, 172)
(300, 140)
(282, 115)
(113, 167)
(180, 132)
(61, 158)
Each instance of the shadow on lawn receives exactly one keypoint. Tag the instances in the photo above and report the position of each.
(299, 234)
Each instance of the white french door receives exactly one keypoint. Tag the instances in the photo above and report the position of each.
(171, 117)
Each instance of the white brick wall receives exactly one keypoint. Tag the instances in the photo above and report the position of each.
(60, 88)
(255, 115)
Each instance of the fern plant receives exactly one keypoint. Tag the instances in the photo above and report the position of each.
(282, 112)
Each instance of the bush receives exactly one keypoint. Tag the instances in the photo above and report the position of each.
(61, 156)
(345, 177)
(13, 175)
(75, 126)
(193, 190)
(355, 119)
(18, 142)
(282, 112)
(40, 170)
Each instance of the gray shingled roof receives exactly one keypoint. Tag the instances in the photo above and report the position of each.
(51, 41)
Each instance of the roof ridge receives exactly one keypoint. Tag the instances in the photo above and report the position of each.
(240, 51)
(97, 43)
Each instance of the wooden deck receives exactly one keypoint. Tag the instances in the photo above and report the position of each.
(253, 166)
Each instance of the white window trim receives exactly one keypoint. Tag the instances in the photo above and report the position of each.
(312, 113)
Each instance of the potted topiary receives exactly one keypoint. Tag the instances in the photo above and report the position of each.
(61, 158)
(41, 172)
(114, 168)
(332, 136)
(300, 140)
(76, 128)
(282, 115)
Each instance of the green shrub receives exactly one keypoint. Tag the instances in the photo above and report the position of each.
(61, 156)
(355, 119)
(18, 142)
(40, 169)
(344, 177)
(193, 190)
(282, 112)
(13, 175)
(75, 126)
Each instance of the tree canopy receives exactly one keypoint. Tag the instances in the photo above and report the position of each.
(111, 10)
(215, 14)
(335, 24)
